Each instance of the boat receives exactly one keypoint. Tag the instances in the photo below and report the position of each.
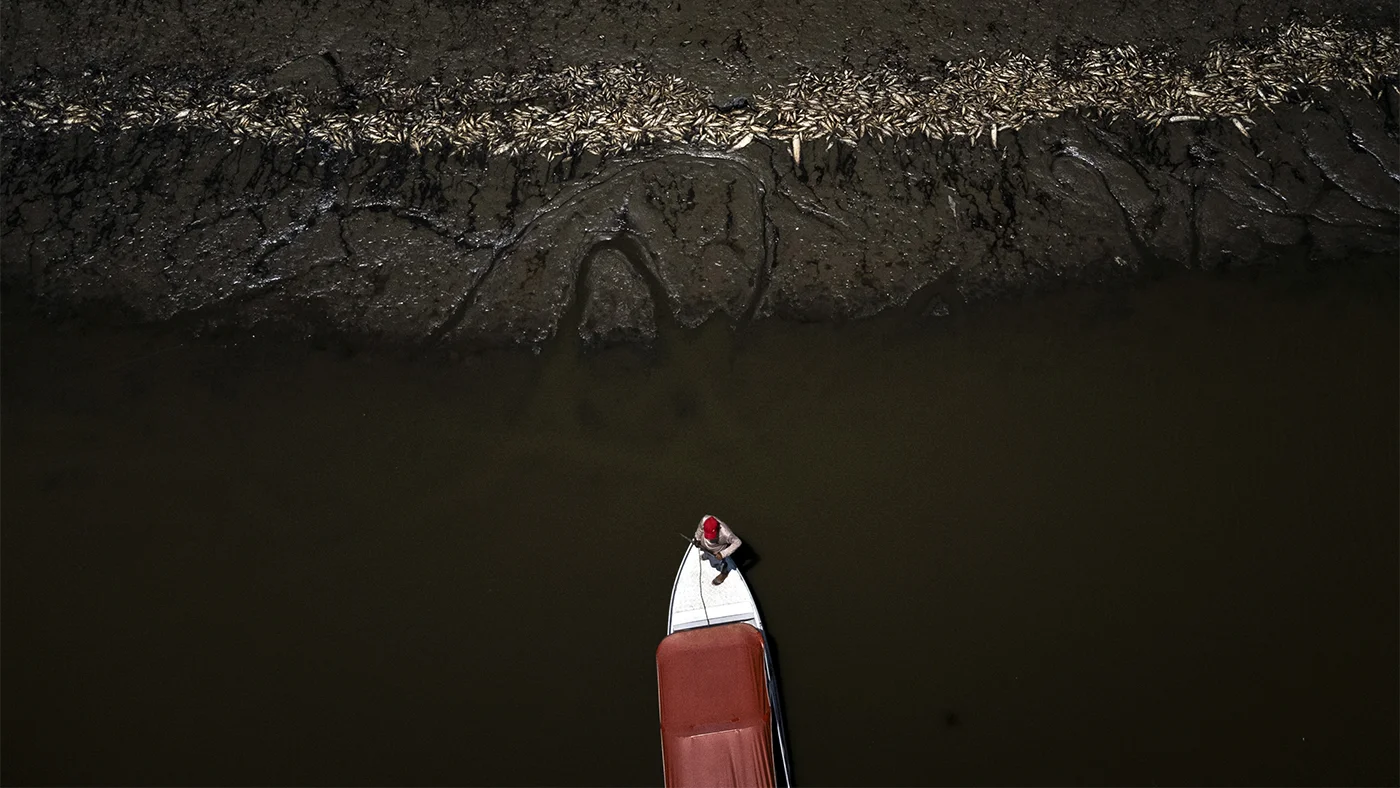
(721, 719)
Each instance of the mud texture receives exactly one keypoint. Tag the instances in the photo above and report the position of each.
(733, 45)
(429, 248)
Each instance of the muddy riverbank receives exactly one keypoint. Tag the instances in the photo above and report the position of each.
(733, 46)
(429, 250)
(320, 198)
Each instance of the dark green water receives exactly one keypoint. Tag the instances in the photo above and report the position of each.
(1132, 537)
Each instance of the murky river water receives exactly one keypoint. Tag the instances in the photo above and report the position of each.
(1142, 536)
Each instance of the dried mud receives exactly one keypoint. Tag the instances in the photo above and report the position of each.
(433, 248)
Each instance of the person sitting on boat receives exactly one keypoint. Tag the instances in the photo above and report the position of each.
(719, 541)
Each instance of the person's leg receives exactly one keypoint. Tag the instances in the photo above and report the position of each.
(724, 565)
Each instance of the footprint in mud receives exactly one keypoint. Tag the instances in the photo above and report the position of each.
(680, 237)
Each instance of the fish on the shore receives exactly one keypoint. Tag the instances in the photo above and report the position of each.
(613, 109)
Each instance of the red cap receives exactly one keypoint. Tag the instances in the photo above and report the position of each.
(711, 526)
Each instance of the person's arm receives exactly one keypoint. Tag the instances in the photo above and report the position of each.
(734, 541)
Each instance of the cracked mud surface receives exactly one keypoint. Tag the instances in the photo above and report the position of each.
(430, 249)
(732, 45)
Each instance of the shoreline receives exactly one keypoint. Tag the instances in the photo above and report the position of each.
(414, 251)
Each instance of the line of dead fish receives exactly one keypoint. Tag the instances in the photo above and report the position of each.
(615, 108)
